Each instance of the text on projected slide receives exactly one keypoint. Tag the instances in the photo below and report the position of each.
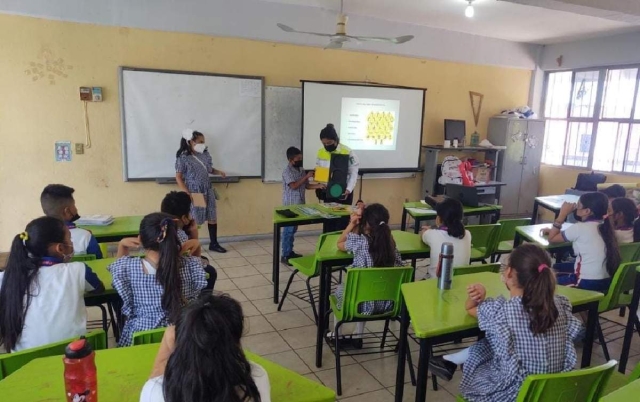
(369, 124)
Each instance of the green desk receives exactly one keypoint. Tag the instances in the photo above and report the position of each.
(408, 244)
(625, 394)
(493, 210)
(533, 234)
(280, 222)
(439, 316)
(122, 373)
(631, 321)
(109, 297)
(123, 226)
(551, 202)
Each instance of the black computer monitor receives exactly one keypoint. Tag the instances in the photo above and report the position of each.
(454, 129)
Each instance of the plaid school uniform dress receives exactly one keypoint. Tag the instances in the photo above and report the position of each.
(498, 364)
(141, 293)
(358, 245)
(195, 170)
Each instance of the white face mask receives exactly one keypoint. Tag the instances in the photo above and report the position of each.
(199, 148)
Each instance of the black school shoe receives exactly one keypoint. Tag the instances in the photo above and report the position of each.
(442, 368)
(217, 248)
(285, 261)
(294, 255)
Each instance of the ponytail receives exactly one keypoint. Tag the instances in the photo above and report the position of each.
(185, 148)
(450, 213)
(382, 247)
(21, 273)
(532, 266)
(608, 235)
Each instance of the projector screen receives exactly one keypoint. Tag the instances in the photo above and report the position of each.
(382, 125)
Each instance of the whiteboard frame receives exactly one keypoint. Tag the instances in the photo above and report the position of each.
(123, 123)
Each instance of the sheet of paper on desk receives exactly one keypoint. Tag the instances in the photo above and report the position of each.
(421, 211)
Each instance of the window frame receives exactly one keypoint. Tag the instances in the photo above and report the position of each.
(595, 118)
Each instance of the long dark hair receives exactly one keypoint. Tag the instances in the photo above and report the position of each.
(158, 233)
(375, 223)
(329, 133)
(21, 272)
(185, 148)
(208, 363)
(598, 203)
(628, 209)
(533, 270)
(450, 213)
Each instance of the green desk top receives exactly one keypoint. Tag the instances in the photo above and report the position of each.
(627, 393)
(437, 312)
(532, 234)
(100, 268)
(426, 207)
(302, 217)
(554, 202)
(123, 371)
(406, 243)
(121, 226)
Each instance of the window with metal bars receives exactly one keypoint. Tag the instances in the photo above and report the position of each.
(593, 119)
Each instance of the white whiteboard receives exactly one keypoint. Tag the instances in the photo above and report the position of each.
(283, 128)
(157, 105)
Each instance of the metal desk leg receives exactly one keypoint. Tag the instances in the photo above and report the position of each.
(629, 332)
(403, 224)
(588, 341)
(496, 216)
(275, 274)
(517, 240)
(416, 225)
(534, 214)
(402, 352)
(423, 364)
(323, 296)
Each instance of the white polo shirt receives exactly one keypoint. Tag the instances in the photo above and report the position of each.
(590, 250)
(461, 248)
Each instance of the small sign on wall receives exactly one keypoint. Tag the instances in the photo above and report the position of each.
(63, 151)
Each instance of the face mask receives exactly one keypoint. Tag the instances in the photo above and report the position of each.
(67, 257)
(331, 148)
(576, 217)
(75, 217)
(200, 148)
(297, 164)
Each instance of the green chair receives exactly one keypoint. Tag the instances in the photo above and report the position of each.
(367, 284)
(484, 239)
(630, 252)
(586, 385)
(148, 337)
(618, 296)
(10, 362)
(506, 236)
(83, 257)
(475, 269)
(309, 267)
(619, 380)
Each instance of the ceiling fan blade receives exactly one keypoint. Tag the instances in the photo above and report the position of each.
(334, 45)
(397, 40)
(287, 28)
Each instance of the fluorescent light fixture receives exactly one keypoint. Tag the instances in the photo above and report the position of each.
(469, 12)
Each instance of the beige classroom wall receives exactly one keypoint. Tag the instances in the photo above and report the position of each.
(556, 179)
(34, 113)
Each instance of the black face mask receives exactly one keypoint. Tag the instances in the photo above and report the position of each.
(331, 148)
(297, 164)
(75, 217)
(576, 217)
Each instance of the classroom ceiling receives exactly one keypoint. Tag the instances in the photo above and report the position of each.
(530, 21)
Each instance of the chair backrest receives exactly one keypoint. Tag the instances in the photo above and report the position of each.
(10, 362)
(148, 337)
(477, 268)
(484, 236)
(83, 257)
(321, 239)
(370, 284)
(623, 281)
(508, 228)
(629, 252)
(584, 385)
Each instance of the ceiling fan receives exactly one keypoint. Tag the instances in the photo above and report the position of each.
(337, 39)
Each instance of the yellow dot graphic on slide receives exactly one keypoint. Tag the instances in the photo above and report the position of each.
(380, 127)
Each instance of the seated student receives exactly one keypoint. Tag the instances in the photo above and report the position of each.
(155, 287)
(614, 191)
(57, 202)
(370, 241)
(201, 358)
(593, 240)
(532, 332)
(623, 216)
(294, 184)
(450, 229)
(41, 292)
(178, 205)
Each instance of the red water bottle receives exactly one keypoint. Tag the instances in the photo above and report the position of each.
(80, 375)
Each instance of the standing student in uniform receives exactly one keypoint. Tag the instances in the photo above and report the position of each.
(294, 184)
(57, 202)
(193, 166)
(41, 292)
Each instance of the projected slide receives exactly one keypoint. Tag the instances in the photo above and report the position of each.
(369, 124)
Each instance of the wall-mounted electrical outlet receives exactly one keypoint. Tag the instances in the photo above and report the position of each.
(79, 148)
(96, 94)
(85, 94)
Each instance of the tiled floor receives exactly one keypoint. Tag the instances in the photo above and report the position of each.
(288, 337)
